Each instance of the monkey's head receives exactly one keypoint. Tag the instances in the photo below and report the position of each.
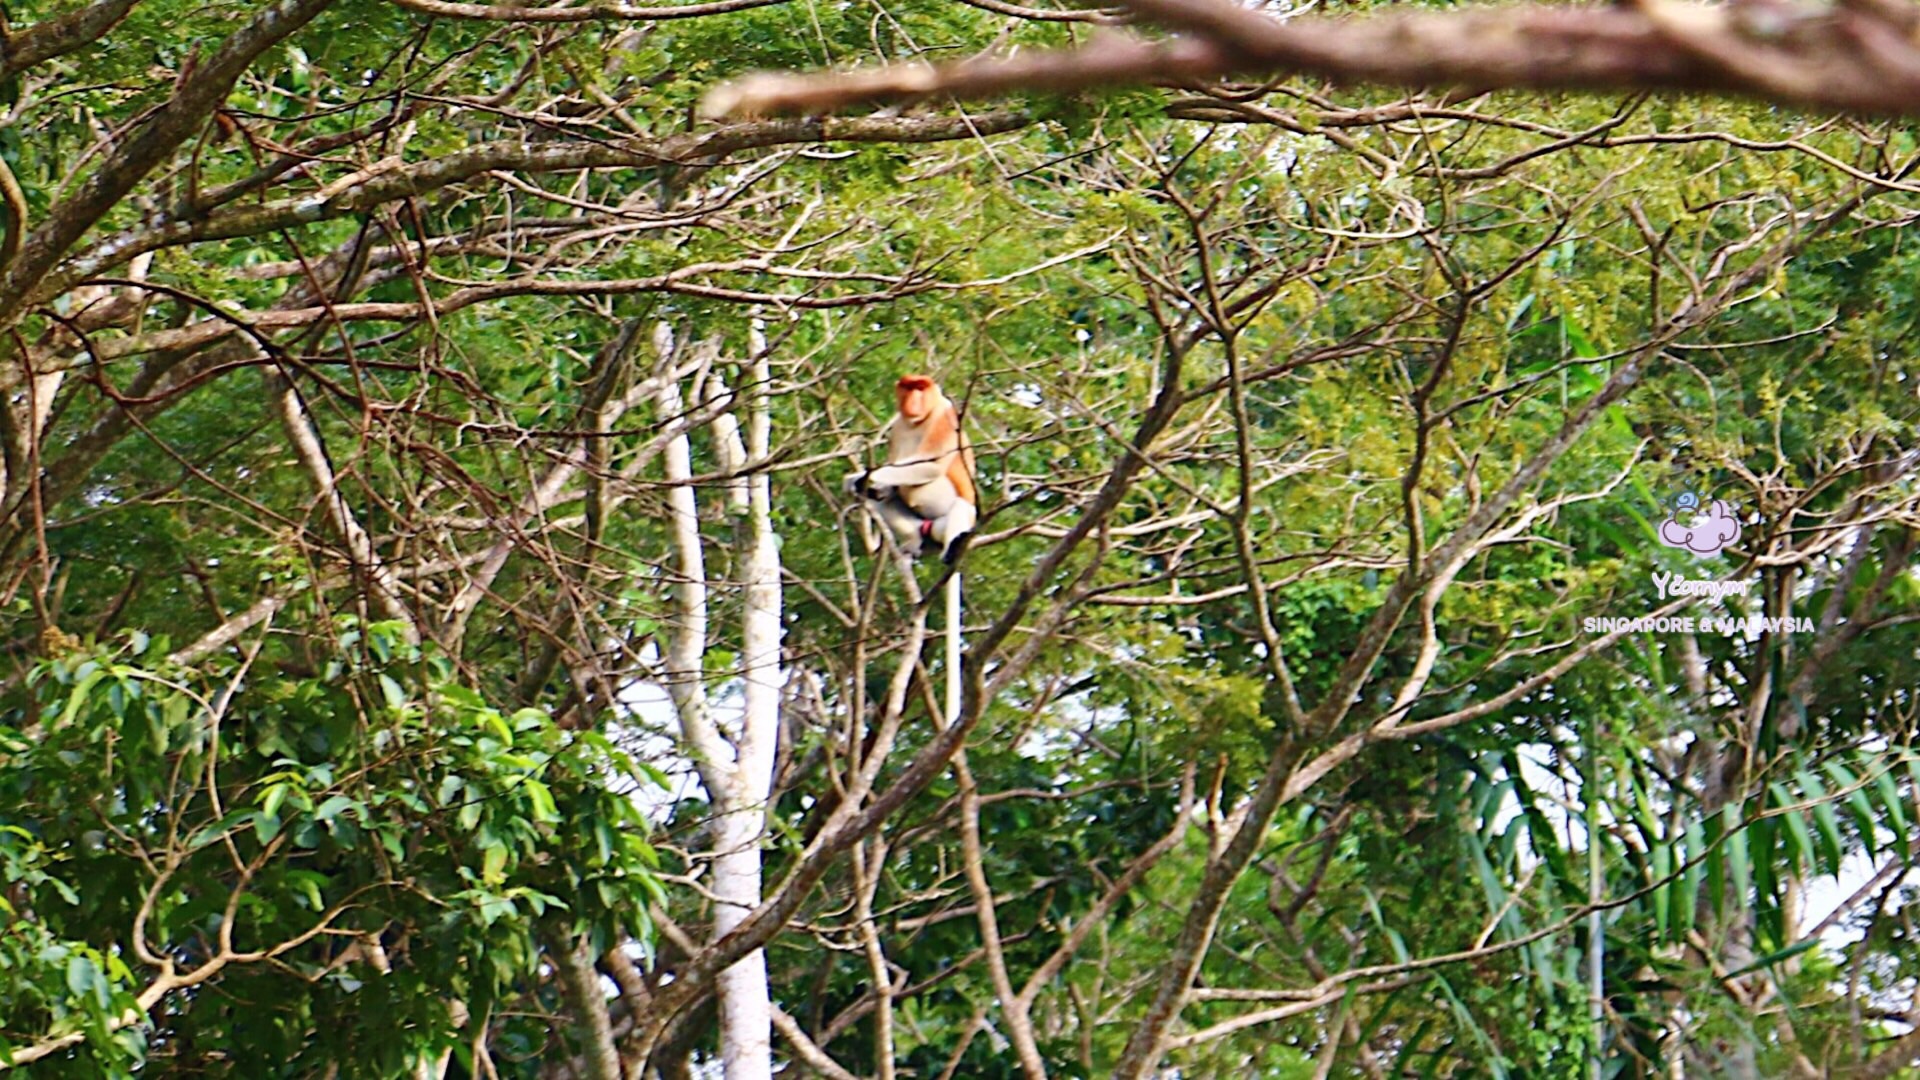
(919, 395)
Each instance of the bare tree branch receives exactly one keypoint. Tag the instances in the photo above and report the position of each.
(373, 187)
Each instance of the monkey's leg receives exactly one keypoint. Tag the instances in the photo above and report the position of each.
(883, 501)
(954, 531)
(907, 527)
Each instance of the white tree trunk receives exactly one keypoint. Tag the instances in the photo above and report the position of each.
(738, 777)
(746, 1007)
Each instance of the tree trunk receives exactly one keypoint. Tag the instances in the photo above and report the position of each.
(737, 771)
(746, 1008)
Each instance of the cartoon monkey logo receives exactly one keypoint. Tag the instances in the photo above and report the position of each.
(1710, 529)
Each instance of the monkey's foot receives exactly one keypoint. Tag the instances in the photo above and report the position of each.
(956, 547)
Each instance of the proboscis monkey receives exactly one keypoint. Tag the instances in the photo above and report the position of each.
(925, 490)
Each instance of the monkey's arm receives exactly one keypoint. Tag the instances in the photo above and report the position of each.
(910, 473)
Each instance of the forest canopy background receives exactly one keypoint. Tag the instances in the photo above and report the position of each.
(435, 641)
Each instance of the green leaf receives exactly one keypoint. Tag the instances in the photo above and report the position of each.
(1890, 802)
(1826, 823)
(541, 797)
(85, 981)
(77, 697)
(1776, 957)
(270, 806)
(1858, 806)
(332, 807)
(1739, 869)
(1687, 888)
(1662, 895)
(65, 891)
(213, 831)
(1802, 852)
(392, 692)
(309, 884)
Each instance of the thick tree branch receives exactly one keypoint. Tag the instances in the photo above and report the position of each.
(58, 36)
(200, 90)
(574, 963)
(583, 13)
(1858, 56)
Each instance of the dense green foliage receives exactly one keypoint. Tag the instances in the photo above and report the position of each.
(339, 582)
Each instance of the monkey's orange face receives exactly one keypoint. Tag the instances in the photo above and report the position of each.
(916, 394)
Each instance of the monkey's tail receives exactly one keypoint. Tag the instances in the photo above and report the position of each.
(953, 645)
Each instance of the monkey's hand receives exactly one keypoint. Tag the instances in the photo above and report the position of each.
(861, 484)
